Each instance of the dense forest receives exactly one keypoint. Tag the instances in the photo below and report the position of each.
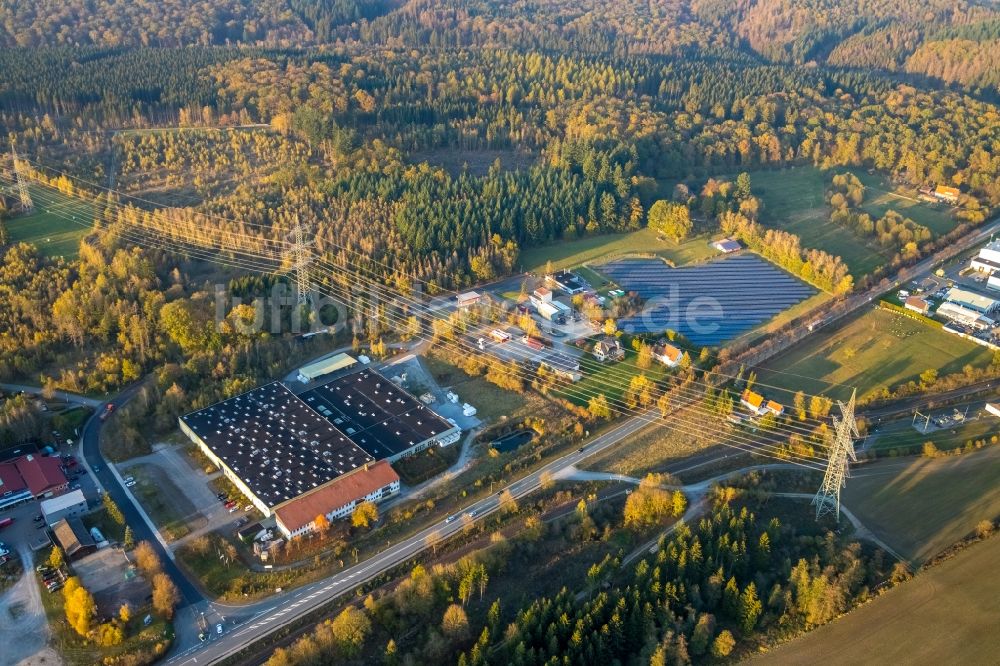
(943, 39)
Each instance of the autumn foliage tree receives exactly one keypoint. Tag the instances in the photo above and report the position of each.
(364, 515)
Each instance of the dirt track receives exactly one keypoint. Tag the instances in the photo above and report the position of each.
(24, 637)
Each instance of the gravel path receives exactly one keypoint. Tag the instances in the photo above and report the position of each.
(24, 637)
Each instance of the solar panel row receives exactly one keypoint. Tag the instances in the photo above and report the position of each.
(707, 303)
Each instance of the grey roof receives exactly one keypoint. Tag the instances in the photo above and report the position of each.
(560, 361)
(378, 416)
(275, 443)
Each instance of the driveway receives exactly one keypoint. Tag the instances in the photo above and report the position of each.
(24, 630)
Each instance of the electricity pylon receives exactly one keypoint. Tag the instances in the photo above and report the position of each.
(27, 205)
(845, 431)
(300, 260)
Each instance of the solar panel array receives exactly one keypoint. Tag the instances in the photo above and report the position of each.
(380, 417)
(748, 290)
(275, 443)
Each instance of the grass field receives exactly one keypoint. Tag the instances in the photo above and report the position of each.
(921, 506)
(877, 349)
(904, 439)
(652, 448)
(595, 249)
(879, 198)
(794, 200)
(946, 615)
(610, 378)
(52, 227)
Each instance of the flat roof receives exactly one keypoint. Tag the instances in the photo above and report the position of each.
(326, 366)
(275, 443)
(559, 361)
(377, 415)
(64, 501)
(970, 299)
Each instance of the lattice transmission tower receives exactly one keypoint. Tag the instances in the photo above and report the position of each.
(845, 431)
(27, 205)
(300, 258)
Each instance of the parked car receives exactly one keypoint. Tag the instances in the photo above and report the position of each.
(55, 588)
(218, 629)
(38, 518)
(129, 478)
(129, 484)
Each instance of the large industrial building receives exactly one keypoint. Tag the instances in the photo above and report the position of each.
(299, 457)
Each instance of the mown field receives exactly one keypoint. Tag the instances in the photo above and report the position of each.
(877, 349)
(921, 506)
(597, 249)
(880, 198)
(794, 200)
(901, 438)
(56, 226)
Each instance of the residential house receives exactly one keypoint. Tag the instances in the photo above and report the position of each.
(727, 245)
(608, 349)
(754, 402)
(917, 304)
(947, 194)
(667, 354)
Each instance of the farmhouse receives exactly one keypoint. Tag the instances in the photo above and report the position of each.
(947, 194)
(313, 371)
(566, 282)
(608, 349)
(667, 354)
(753, 402)
(917, 304)
(775, 408)
(726, 245)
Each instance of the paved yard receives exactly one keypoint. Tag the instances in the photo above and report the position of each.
(106, 574)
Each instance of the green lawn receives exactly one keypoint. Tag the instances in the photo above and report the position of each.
(877, 349)
(903, 439)
(879, 198)
(610, 378)
(920, 506)
(56, 226)
(596, 249)
(794, 200)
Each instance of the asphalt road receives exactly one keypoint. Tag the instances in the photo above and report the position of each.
(252, 623)
(109, 481)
